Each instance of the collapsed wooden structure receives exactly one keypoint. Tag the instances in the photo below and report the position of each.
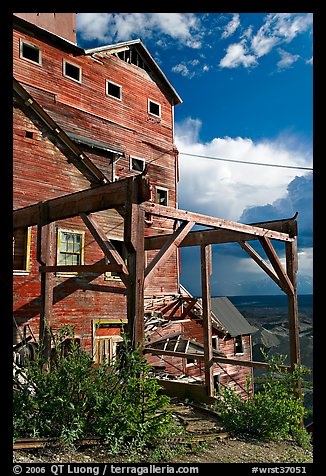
(103, 162)
(131, 195)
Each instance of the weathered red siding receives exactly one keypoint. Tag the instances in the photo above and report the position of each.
(41, 171)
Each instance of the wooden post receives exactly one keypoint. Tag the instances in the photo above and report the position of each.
(47, 281)
(134, 242)
(206, 271)
(292, 267)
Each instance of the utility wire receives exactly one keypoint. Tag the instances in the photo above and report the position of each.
(247, 162)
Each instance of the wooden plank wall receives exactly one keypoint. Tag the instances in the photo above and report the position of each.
(42, 172)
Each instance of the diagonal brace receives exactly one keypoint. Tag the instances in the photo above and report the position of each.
(277, 265)
(260, 261)
(105, 244)
(167, 250)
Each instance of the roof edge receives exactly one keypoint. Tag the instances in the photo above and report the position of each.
(176, 98)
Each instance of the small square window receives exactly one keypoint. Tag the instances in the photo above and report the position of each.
(162, 196)
(138, 165)
(71, 71)
(154, 108)
(113, 89)
(30, 52)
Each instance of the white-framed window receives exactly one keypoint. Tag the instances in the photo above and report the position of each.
(162, 196)
(113, 90)
(215, 342)
(70, 248)
(71, 71)
(30, 52)
(154, 108)
(238, 345)
(21, 250)
(137, 164)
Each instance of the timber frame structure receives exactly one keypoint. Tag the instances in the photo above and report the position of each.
(130, 197)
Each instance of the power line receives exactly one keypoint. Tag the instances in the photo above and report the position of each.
(247, 162)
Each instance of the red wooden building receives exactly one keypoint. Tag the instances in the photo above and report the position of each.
(96, 221)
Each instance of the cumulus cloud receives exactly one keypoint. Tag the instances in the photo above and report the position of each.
(236, 55)
(226, 189)
(115, 27)
(231, 27)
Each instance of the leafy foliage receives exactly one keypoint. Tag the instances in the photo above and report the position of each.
(274, 411)
(118, 402)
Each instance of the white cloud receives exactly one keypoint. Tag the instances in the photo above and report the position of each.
(287, 59)
(237, 55)
(115, 27)
(182, 69)
(310, 60)
(231, 27)
(277, 29)
(225, 189)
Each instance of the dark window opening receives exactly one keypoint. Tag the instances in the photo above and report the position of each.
(154, 108)
(138, 165)
(113, 90)
(121, 249)
(133, 57)
(238, 346)
(20, 249)
(31, 53)
(71, 71)
(162, 196)
(29, 134)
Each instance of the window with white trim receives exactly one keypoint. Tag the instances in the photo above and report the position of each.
(30, 52)
(162, 196)
(136, 164)
(70, 248)
(71, 71)
(21, 250)
(154, 108)
(113, 90)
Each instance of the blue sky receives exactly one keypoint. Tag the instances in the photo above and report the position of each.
(246, 84)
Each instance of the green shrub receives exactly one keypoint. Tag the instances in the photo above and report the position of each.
(119, 403)
(274, 411)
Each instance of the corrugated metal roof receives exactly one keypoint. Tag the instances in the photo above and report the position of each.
(230, 318)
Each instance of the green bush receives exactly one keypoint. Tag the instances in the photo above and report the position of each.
(118, 402)
(274, 411)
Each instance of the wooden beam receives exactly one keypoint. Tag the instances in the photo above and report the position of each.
(134, 225)
(176, 214)
(106, 246)
(190, 305)
(103, 197)
(255, 256)
(277, 265)
(47, 282)
(291, 266)
(166, 251)
(221, 360)
(84, 268)
(206, 271)
(58, 136)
